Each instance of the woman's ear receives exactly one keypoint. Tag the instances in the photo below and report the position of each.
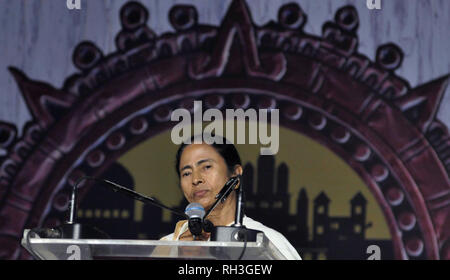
(237, 170)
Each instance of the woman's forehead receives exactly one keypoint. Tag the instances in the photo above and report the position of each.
(195, 152)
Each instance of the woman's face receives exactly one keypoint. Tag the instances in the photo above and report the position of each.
(203, 173)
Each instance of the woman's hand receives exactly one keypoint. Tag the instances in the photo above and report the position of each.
(187, 236)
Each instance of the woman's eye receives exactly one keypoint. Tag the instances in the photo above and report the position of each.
(208, 166)
(185, 174)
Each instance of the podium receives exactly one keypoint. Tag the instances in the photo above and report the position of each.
(92, 249)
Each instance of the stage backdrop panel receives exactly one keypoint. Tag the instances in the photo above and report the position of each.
(364, 154)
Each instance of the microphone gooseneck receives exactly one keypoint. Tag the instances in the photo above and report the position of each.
(123, 190)
(73, 204)
(231, 184)
(135, 195)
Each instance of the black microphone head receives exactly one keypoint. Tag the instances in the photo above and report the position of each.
(195, 212)
(208, 226)
(195, 226)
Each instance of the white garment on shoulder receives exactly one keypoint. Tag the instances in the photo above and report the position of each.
(274, 236)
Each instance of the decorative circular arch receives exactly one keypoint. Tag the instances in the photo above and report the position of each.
(386, 131)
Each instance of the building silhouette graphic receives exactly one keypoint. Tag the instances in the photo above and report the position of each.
(267, 200)
(331, 238)
(110, 211)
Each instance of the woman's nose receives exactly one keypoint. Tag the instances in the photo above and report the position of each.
(197, 179)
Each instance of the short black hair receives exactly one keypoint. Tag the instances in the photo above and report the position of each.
(224, 147)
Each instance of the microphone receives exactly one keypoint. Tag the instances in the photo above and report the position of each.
(195, 213)
(237, 232)
(232, 184)
(73, 203)
(73, 230)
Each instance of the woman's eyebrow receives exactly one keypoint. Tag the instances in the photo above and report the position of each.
(198, 163)
(185, 167)
(204, 160)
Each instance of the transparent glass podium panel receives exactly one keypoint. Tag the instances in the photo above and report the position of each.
(88, 249)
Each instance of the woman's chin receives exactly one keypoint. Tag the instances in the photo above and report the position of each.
(205, 202)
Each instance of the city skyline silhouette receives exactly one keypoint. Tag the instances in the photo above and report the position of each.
(325, 237)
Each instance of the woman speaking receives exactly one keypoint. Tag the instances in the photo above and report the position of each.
(203, 169)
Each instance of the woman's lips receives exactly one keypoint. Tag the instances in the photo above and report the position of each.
(200, 194)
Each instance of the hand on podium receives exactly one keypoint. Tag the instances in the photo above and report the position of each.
(187, 236)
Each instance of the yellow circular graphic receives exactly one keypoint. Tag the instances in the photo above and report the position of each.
(311, 165)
